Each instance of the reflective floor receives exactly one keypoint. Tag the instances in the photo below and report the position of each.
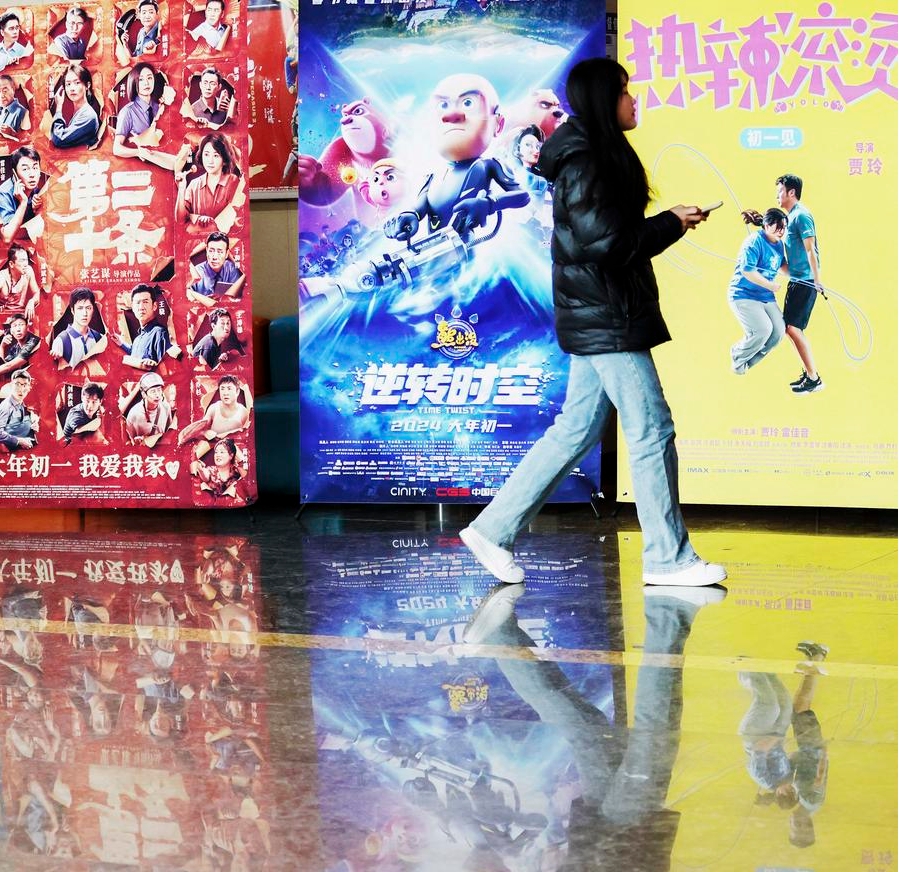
(349, 691)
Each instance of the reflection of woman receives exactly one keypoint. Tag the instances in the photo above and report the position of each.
(18, 285)
(201, 201)
(220, 477)
(84, 125)
(607, 316)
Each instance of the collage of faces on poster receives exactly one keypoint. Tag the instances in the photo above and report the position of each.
(125, 359)
(125, 743)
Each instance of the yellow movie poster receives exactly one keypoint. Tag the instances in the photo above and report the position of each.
(782, 373)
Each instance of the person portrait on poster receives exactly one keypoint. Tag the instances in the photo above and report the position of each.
(220, 344)
(147, 39)
(223, 417)
(212, 33)
(82, 125)
(215, 104)
(19, 425)
(78, 340)
(12, 50)
(12, 112)
(19, 291)
(147, 347)
(83, 419)
(71, 43)
(22, 194)
(202, 200)
(17, 345)
(217, 276)
(150, 417)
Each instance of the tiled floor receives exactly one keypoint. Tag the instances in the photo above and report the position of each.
(349, 691)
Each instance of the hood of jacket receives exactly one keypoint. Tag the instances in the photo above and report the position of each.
(567, 140)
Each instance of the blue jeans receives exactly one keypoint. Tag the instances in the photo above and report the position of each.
(625, 786)
(627, 381)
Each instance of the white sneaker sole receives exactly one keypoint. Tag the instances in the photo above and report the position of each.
(497, 561)
(699, 574)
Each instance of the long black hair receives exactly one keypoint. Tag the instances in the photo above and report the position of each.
(594, 90)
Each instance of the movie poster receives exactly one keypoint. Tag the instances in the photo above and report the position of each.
(730, 101)
(432, 752)
(125, 294)
(272, 28)
(429, 363)
(136, 734)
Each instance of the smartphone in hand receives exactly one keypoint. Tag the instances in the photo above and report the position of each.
(712, 208)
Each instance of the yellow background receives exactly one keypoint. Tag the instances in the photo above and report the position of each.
(853, 420)
(848, 588)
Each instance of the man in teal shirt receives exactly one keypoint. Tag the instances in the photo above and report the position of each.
(805, 278)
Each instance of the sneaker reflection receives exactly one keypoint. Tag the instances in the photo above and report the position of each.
(619, 820)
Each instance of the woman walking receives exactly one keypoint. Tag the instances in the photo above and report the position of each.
(607, 318)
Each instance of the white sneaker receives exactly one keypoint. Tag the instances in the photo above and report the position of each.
(497, 561)
(699, 596)
(697, 574)
(495, 609)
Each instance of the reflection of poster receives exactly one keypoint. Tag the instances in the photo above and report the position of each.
(446, 762)
(125, 374)
(126, 745)
(728, 105)
(273, 66)
(429, 363)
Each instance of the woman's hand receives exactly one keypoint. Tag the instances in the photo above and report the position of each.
(689, 216)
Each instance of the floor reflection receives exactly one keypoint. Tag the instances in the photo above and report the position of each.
(346, 695)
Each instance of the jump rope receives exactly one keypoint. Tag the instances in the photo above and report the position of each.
(863, 340)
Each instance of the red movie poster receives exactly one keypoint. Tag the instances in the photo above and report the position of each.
(273, 108)
(125, 293)
(136, 735)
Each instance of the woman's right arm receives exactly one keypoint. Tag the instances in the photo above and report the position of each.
(604, 232)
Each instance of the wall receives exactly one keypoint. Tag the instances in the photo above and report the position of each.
(273, 240)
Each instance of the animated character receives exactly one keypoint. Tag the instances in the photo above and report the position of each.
(540, 107)
(385, 186)
(364, 140)
(466, 120)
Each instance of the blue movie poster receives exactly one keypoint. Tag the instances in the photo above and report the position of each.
(429, 363)
(439, 756)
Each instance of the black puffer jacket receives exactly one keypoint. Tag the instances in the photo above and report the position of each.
(604, 290)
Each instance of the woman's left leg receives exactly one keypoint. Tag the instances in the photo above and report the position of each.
(633, 385)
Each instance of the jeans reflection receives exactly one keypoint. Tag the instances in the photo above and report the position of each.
(619, 821)
(796, 782)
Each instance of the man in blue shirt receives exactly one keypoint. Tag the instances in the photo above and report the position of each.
(79, 340)
(72, 44)
(12, 112)
(152, 341)
(805, 275)
(805, 278)
(212, 31)
(21, 195)
(11, 50)
(217, 276)
(18, 424)
(148, 36)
